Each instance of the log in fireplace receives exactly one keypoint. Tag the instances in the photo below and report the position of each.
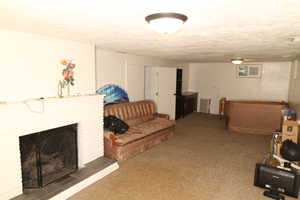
(48, 155)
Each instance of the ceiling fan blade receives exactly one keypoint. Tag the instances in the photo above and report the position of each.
(250, 59)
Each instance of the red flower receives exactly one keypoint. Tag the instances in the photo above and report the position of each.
(66, 75)
(72, 66)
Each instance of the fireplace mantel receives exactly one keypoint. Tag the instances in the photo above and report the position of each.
(48, 98)
(18, 119)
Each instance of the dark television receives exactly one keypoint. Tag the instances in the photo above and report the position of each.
(276, 181)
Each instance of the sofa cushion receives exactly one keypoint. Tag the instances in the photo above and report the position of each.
(154, 125)
(137, 121)
(131, 130)
(144, 129)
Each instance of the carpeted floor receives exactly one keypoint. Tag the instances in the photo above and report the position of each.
(203, 161)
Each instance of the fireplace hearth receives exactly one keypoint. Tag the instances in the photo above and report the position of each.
(48, 156)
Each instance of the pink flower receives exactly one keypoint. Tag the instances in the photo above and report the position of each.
(72, 66)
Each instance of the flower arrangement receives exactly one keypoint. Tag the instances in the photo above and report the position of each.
(68, 76)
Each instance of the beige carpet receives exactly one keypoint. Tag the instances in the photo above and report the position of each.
(202, 161)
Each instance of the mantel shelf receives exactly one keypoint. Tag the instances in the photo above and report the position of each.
(47, 98)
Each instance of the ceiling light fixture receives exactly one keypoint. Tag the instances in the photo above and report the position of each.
(166, 22)
(237, 61)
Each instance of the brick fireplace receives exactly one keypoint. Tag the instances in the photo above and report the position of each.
(25, 118)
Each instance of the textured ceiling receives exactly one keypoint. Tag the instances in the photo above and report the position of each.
(217, 30)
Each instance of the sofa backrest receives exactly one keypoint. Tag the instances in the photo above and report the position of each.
(261, 117)
(131, 110)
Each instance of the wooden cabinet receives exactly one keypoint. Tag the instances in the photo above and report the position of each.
(186, 103)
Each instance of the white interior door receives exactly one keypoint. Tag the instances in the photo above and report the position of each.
(166, 90)
(160, 86)
(151, 83)
(135, 82)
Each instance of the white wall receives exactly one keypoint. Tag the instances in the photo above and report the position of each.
(134, 83)
(121, 69)
(110, 68)
(217, 80)
(30, 66)
(294, 89)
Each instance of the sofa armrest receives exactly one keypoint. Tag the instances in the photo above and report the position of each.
(160, 115)
(110, 137)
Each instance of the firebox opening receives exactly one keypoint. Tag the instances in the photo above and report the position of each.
(48, 155)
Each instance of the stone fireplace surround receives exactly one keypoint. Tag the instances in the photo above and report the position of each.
(20, 118)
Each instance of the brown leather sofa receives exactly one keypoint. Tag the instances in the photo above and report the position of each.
(146, 129)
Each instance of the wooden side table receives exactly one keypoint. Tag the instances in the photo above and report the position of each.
(222, 103)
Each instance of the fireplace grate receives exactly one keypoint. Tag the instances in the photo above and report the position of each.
(48, 155)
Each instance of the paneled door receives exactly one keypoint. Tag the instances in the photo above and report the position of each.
(160, 86)
(166, 91)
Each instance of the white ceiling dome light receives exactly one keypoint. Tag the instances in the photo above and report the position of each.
(166, 23)
(237, 61)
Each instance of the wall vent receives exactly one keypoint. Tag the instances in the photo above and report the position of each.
(205, 105)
